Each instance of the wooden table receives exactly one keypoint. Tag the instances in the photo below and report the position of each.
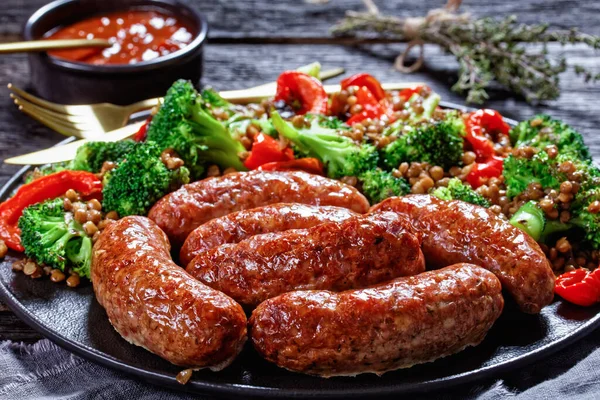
(252, 41)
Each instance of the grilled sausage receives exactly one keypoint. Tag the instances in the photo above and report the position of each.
(357, 252)
(182, 211)
(408, 321)
(155, 304)
(241, 225)
(455, 231)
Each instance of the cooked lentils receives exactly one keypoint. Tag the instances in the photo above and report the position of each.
(89, 214)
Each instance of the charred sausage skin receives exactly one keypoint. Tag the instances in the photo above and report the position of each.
(357, 252)
(455, 231)
(182, 211)
(408, 321)
(155, 304)
(235, 227)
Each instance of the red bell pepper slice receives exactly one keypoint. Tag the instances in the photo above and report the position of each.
(141, 134)
(47, 187)
(407, 93)
(491, 168)
(367, 81)
(310, 165)
(301, 91)
(488, 165)
(265, 149)
(579, 287)
(371, 107)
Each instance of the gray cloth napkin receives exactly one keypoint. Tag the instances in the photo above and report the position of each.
(46, 371)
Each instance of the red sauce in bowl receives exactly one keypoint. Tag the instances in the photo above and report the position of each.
(137, 36)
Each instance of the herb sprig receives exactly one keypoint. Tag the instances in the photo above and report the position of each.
(487, 49)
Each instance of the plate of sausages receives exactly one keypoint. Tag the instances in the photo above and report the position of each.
(332, 287)
(291, 278)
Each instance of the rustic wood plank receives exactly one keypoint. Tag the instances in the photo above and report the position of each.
(301, 18)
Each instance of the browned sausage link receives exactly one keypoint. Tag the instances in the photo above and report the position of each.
(408, 321)
(455, 231)
(155, 304)
(357, 252)
(235, 227)
(182, 211)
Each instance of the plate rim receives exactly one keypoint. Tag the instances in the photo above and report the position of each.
(233, 389)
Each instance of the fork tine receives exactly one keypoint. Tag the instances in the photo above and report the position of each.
(37, 100)
(79, 122)
(59, 108)
(60, 128)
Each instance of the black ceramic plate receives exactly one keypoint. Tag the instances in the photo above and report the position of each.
(74, 320)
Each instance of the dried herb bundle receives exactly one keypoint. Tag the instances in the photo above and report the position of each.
(487, 49)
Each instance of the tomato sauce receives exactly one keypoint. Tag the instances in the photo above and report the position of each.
(136, 36)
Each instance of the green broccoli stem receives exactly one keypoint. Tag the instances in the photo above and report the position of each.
(532, 220)
(223, 148)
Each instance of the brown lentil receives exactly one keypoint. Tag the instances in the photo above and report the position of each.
(112, 215)
(30, 268)
(80, 216)
(3, 249)
(94, 205)
(468, 157)
(349, 180)
(56, 275)
(212, 171)
(436, 172)
(73, 280)
(594, 207)
(90, 228)
(94, 216)
(72, 195)
(184, 376)
(563, 245)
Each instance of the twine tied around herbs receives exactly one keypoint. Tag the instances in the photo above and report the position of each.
(412, 27)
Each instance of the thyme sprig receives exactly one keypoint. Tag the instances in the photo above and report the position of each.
(487, 49)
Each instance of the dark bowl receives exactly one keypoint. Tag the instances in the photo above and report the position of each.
(70, 82)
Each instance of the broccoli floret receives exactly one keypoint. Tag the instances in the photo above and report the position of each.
(184, 124)
(92, 155)
(457, 190)
(329, 122)
(212, 97)
(52, 237)
(542, 131)
(519, 172)
(440, 143)
(139, 181)
(378, 185)
(340, 155)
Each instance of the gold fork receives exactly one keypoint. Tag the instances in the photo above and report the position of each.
(88, 121)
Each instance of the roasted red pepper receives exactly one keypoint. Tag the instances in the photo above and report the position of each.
(310, 165)
(265, 149)
(370, 95)
(367, 81)
(580, 286)
(371, 107)
(488, 165)
(301, 91)
(481, 172)
(406, 94)
(47, 187)
(141, 134)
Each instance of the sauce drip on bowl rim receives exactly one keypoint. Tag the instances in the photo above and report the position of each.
(137, 36)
